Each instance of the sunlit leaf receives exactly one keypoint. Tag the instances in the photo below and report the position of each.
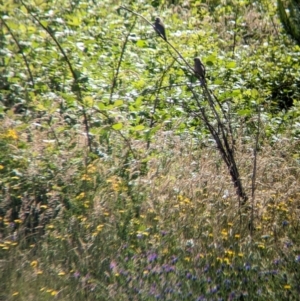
(75, 21)
(245, 112)
(211, 60)
(139, 127)
(141, 43)
(230, 65)
(117, 126)
(88, 100)
(118, 103)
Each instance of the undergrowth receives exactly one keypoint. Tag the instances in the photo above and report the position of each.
(112, 186)
(175, 232)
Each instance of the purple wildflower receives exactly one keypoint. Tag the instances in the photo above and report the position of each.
(174, 259)
(168, 268)
(153, 289)
(206, 268)
(276, 261)
(288, 244)
(113, 265)
(76, 274)
(152, 257)
(231, 296)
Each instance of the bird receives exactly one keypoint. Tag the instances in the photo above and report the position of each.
(199, 69)
(160, 28)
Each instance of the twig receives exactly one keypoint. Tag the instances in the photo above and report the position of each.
(253, 179)
(21, 51)
(234, 33)
(137, 14)
(226, 150)
(152, 122)
(75, 78)
(114, 83)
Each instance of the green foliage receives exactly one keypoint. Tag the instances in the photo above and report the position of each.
(289, 13)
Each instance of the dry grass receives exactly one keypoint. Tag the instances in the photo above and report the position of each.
(183, 202)
(138, 223)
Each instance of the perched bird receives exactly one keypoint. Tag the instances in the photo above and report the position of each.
(160, 28)
(199, 69)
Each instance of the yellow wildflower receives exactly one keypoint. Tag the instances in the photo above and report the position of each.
(34, 263)
(11, 133)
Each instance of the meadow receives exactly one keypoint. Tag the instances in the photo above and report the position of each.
(116, 162)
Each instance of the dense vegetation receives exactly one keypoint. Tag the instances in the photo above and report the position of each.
(114, 184)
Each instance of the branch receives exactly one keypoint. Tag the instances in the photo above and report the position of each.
(253, 186)
(137, 14)
(120, 61)
(21, 51)
(226, 150)
(75, 78)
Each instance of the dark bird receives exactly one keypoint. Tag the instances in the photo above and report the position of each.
(160, 28)
(199, 69)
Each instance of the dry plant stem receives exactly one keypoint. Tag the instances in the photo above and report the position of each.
(234, 33)
(226, 150)
(152, 120)
(53, 131)
(128, 144)
(227, 118)
(148, 90)
(20, 49)
(272, 19)
(114, 82)
(253, 180)
(119, 132)
(78, 94)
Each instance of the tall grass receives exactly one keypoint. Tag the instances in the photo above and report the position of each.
(171, 232)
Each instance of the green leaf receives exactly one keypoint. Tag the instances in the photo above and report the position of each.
(75, 21)
(230, 65)
(254, 93)
(245, 112)
(88, 100)
(141, 43)
(44, 23)
(118, 103)
(103, 106)
(117, 126)
(236, 92)
(211, 60)
(139, 127)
